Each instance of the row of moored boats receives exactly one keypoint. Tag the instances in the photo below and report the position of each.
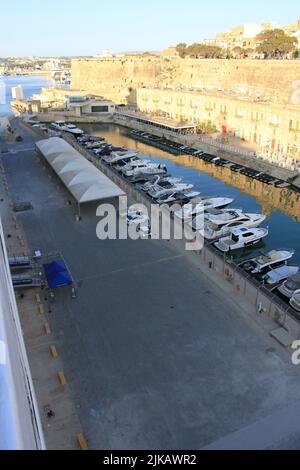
(229, 229)
(179, 149)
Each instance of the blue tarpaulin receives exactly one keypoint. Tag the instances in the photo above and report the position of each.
(57, 274)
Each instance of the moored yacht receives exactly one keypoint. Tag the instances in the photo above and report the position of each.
(158, 191)
(291, 286)
(144, 168)
(189, 211)
(120, 155)
(272, 259)
(223, 216)
(180, 197)
(274, 276)
(158, 180)
(95, 145)
(58, 125)
(67, 127)
(241, 238)
(213, 231)
(72, 129)
(132, 164)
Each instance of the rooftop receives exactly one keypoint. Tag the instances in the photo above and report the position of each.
(161, 121)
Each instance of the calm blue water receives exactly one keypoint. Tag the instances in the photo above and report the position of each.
(31, 84)
(282, 206)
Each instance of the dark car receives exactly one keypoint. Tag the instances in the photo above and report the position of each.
(19, 138)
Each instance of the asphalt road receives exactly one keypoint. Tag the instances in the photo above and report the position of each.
(156, 355)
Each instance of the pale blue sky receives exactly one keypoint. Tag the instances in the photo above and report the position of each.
(65, 27)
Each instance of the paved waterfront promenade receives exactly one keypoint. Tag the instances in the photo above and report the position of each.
(156, 355)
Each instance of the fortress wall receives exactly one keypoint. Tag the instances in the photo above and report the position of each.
(117, 79)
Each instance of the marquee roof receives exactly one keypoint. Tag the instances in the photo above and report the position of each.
(84, 181)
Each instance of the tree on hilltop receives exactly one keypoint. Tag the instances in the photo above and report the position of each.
(275, 44)
(181, 49)
(198, 50)
(241, 52)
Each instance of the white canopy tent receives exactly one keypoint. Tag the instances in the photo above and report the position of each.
(84, 181)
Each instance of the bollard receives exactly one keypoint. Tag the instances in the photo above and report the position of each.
(62, 378)
(53, 351)
(82, 442)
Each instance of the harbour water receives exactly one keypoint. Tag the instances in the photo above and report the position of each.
(281, 206)
(31, 84)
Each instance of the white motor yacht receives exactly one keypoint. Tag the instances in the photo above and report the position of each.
(272, 259)
(223, 216)
(191, 210)
(177, 197)
(213, 231)
(159, 181)
(145, 169)
(95, 145)
(190, 195)
(158, 191)
(274, 276)
(66, 127)
(72, 129)
(241, 238)
(120, 155)
(131, 164)
(58, 125)
(291, 286)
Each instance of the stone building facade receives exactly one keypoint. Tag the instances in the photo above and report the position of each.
(272, 127)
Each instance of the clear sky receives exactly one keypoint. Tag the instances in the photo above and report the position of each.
(86, 27)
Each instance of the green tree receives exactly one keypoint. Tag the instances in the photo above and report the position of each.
(241, 52)
(181, 49)
(237, 52)
(198, 50)
(275, 43)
